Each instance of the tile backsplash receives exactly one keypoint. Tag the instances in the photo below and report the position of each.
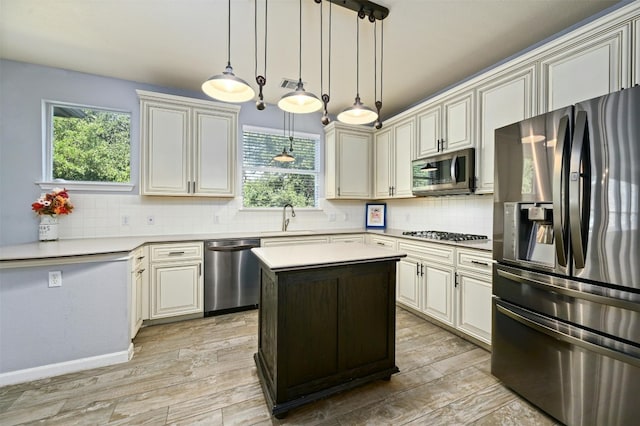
(134, 215)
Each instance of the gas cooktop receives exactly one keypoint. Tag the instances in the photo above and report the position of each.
(446, 236)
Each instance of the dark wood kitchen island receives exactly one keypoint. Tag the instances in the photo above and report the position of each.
(326, 320)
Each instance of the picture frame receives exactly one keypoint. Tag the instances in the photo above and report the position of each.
(376, 215)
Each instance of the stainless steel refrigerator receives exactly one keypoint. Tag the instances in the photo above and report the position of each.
(566, 283)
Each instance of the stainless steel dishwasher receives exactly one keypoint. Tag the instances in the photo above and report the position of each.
(231, 276)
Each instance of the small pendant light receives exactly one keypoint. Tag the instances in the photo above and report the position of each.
(357, 113)
(300, 101)
(286, 157)
(226, 86)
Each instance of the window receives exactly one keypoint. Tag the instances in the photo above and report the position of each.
(270, 183)
(87, 145)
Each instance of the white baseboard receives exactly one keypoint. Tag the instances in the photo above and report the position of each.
(51, 370)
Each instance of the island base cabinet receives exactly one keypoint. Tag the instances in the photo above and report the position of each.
(324, 330)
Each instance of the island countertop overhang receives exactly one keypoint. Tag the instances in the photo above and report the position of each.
(284, 258)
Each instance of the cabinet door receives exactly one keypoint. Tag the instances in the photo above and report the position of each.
(176, 289)
(474, 305)
(428, 123)
(404, 140)
(504, 100)
(214, 153)
(458, 123)
(587, 70)
(438, 292)
(408, 282)
(165, 146)
(636, 54)
(136, 302)
(383, 157)
(354, 159)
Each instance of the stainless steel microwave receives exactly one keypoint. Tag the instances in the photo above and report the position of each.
(444, 174)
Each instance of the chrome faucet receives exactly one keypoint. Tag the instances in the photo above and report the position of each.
(285, 220)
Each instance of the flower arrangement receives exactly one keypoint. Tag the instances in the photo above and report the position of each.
(53, 203)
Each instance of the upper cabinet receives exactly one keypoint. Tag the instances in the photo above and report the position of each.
(188, 146)
(586, 68)
(446, 125)
(502, 99)
(393, 149)
(348, 159)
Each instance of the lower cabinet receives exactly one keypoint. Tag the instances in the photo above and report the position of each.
(177, 282)
(449, 284)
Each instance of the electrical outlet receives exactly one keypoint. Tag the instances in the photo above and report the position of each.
(55, 278)
(151, 220)
(216, 219)
(345, 217)
(332, 217)
(125, 220)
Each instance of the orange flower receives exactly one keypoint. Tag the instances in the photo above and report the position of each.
(55, 202)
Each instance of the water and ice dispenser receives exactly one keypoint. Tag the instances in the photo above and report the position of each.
(528, 234)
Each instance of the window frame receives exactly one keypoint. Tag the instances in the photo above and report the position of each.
(297, 135)
(47, 183)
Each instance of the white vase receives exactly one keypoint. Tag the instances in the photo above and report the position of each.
(48, 229)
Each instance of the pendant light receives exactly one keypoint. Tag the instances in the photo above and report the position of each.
(357, 113)
(226, 86)
(286, 157)
(300, 101)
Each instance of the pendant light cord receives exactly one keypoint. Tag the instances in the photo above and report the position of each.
(300, 44)
(357, 56)
(381, 57)
(229, 35)
(255, 36)
(375, 60)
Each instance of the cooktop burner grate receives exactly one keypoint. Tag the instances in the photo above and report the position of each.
(446, 236)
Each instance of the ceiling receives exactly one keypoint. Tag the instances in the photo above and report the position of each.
(428, 44)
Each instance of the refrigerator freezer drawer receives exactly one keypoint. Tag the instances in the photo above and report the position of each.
(574, 380)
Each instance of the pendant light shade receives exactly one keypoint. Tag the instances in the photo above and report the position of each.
(358, 113)
(284, 157)
(300, 101)
(226, 86)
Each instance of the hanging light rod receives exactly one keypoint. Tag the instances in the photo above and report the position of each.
(363, 8)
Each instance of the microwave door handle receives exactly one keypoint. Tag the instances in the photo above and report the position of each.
(454, 169)
(559, 189)
(579, 189)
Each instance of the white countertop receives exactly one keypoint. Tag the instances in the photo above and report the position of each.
(306, 256)
(98, 246)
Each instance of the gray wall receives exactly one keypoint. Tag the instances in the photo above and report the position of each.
(87, 316)
(24, 86)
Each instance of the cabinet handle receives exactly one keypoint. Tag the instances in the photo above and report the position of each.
(421, 270)
(381, 244)
(479, 263)
(199, 269)
(140, 257)
(455, 280)
(338, 191)
(389, 192)
(194, 186)
(417, 269)
(141, 271)
(176, 253)
(438, 145)
(441, 144)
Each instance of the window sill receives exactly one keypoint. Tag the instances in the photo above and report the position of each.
(87, 186)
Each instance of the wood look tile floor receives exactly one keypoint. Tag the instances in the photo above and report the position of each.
(201, 372)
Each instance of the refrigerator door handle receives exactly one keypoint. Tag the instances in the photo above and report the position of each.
(559, 334)
(579, 189)
(585, 292)
(559, 190)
